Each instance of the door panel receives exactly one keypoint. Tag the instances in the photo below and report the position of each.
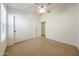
(10, 30)
(20, 28)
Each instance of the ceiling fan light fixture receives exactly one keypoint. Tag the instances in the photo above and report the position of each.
(42, 10)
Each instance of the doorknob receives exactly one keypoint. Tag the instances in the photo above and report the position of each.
(14, 31)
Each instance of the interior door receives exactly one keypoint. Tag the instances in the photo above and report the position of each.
(19, 28)
(10, 36)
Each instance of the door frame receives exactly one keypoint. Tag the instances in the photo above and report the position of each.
(14, 37)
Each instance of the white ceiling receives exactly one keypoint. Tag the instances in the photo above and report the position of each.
(23, 6)
(31, 7)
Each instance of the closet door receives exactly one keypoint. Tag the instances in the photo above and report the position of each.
(19, 28)
(10, 30)
(16, 29)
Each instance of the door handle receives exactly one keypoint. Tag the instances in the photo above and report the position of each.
(14, 31)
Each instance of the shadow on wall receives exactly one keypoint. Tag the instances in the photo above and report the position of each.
(63, 8)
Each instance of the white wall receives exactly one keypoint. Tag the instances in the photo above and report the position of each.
(60, 24)
(25, 25)
(0, 28)
(3, 29)
(77, 26)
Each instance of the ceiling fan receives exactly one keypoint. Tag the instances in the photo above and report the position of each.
(43, 7)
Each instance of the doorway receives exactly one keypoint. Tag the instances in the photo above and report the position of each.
(42, 28)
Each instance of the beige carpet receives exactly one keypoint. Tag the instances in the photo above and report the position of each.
(41, 47)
